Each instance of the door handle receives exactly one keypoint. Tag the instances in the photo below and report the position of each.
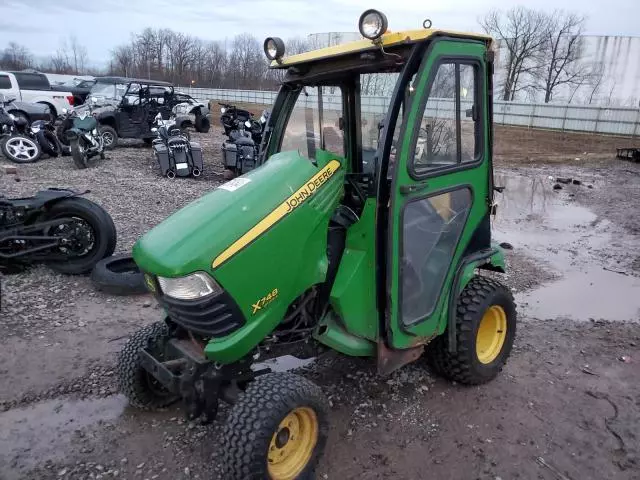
(405, 189)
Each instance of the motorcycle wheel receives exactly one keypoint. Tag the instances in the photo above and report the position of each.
(61, 129)
(49, 143)
(90, 235)
(79, 154)
(202, 124)
(109, 136)
(21, 149)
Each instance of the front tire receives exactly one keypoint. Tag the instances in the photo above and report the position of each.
(277, 429)
(485, 331)
(140, 388)
(102, 228)
(49, 143)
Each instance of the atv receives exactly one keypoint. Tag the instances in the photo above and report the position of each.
(56, 227)
(366, 227)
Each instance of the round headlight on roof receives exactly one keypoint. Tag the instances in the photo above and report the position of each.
(372, 24)
(274, 48)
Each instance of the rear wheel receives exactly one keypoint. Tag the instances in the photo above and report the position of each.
(485, 330)
(49, 143)
(277, 429)
(88, 236)
(109, 136)
(142, 390)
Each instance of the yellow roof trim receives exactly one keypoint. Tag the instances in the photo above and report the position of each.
(388, 39)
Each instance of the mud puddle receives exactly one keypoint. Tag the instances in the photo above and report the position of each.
(586, 250)
(31, 435)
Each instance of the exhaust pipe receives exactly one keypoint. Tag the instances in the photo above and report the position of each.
(196, 172)
(171, 174)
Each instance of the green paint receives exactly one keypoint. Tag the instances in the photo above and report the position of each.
(331, 334)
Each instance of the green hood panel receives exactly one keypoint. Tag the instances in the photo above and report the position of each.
(190, 239)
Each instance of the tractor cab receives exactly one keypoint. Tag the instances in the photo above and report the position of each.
(365, 227)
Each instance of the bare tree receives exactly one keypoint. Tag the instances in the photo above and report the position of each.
(123, 60)
(522, 33)
(560, 63)
(78, 54)
(16, 57)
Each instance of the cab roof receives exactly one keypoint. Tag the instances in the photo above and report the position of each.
(388, 39)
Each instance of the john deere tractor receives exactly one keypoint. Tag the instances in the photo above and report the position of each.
(365, 228)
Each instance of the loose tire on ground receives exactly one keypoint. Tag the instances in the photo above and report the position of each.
(202, 124)
(484, 308)
(142, 390)
(277, 429)
(118, 275)
(101, 223)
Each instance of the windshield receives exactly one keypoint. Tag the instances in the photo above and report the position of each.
(316, 122)
(108, 90)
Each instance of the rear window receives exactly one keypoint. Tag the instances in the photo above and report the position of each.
(32, 81)
(5, 83)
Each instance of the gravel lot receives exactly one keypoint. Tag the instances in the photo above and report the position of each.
(566, 406)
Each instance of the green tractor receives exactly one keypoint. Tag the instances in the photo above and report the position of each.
(364, 228)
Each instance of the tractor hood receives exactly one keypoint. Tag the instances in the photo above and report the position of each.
(209, 231)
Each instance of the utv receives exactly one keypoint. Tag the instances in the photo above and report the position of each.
(131, 106)
(364, 228)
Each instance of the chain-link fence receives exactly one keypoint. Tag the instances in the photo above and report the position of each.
(564, 117)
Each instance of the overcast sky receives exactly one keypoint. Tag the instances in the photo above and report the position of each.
(102, 24)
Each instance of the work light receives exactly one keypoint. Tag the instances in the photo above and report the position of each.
(190, 287)
(372, 24)
(274, 48)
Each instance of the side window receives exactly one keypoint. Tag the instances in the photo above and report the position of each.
(32, 81)
(315, 123)
(449, 131)
(5, 83)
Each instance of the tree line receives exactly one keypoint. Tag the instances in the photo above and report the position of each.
(540, 57)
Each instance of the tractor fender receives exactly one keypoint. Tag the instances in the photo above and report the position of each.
(488, 259)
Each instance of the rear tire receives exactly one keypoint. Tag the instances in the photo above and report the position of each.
(479, 357)
(202, 124)
(109, 136)
(49, 143)
(104, 232)
(277, 429)
(142, 390)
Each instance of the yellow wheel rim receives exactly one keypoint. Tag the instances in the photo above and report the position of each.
(292, 444)
(492, 333)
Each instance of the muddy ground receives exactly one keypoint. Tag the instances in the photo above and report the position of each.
(567, 405)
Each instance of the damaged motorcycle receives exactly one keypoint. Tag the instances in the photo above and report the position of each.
(176, 154)
(57, 227)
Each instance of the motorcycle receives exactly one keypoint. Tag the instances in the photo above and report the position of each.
(57, 227)
(85, 140)
(16, 141)
(175, 153)
(240, 152)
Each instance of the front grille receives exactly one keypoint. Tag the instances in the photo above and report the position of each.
(217, 316)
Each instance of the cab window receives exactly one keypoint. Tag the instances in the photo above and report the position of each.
(449, 131)
(316, 122)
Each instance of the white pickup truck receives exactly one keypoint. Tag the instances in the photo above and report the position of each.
(34, 88)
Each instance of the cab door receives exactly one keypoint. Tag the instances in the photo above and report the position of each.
(440, 188)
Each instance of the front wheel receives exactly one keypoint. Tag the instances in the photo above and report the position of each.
(21, 149)
(277, 429)
(109, 136)
(142, 389)
(86, 236)
(49, 143)
(79, 153)
(485, 330)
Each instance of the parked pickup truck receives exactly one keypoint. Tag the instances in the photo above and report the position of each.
(34, 88)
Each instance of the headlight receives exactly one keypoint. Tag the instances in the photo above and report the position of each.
(274, 48)
(372, 24)
(247, 124)
(191, 287)
(222, 110)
